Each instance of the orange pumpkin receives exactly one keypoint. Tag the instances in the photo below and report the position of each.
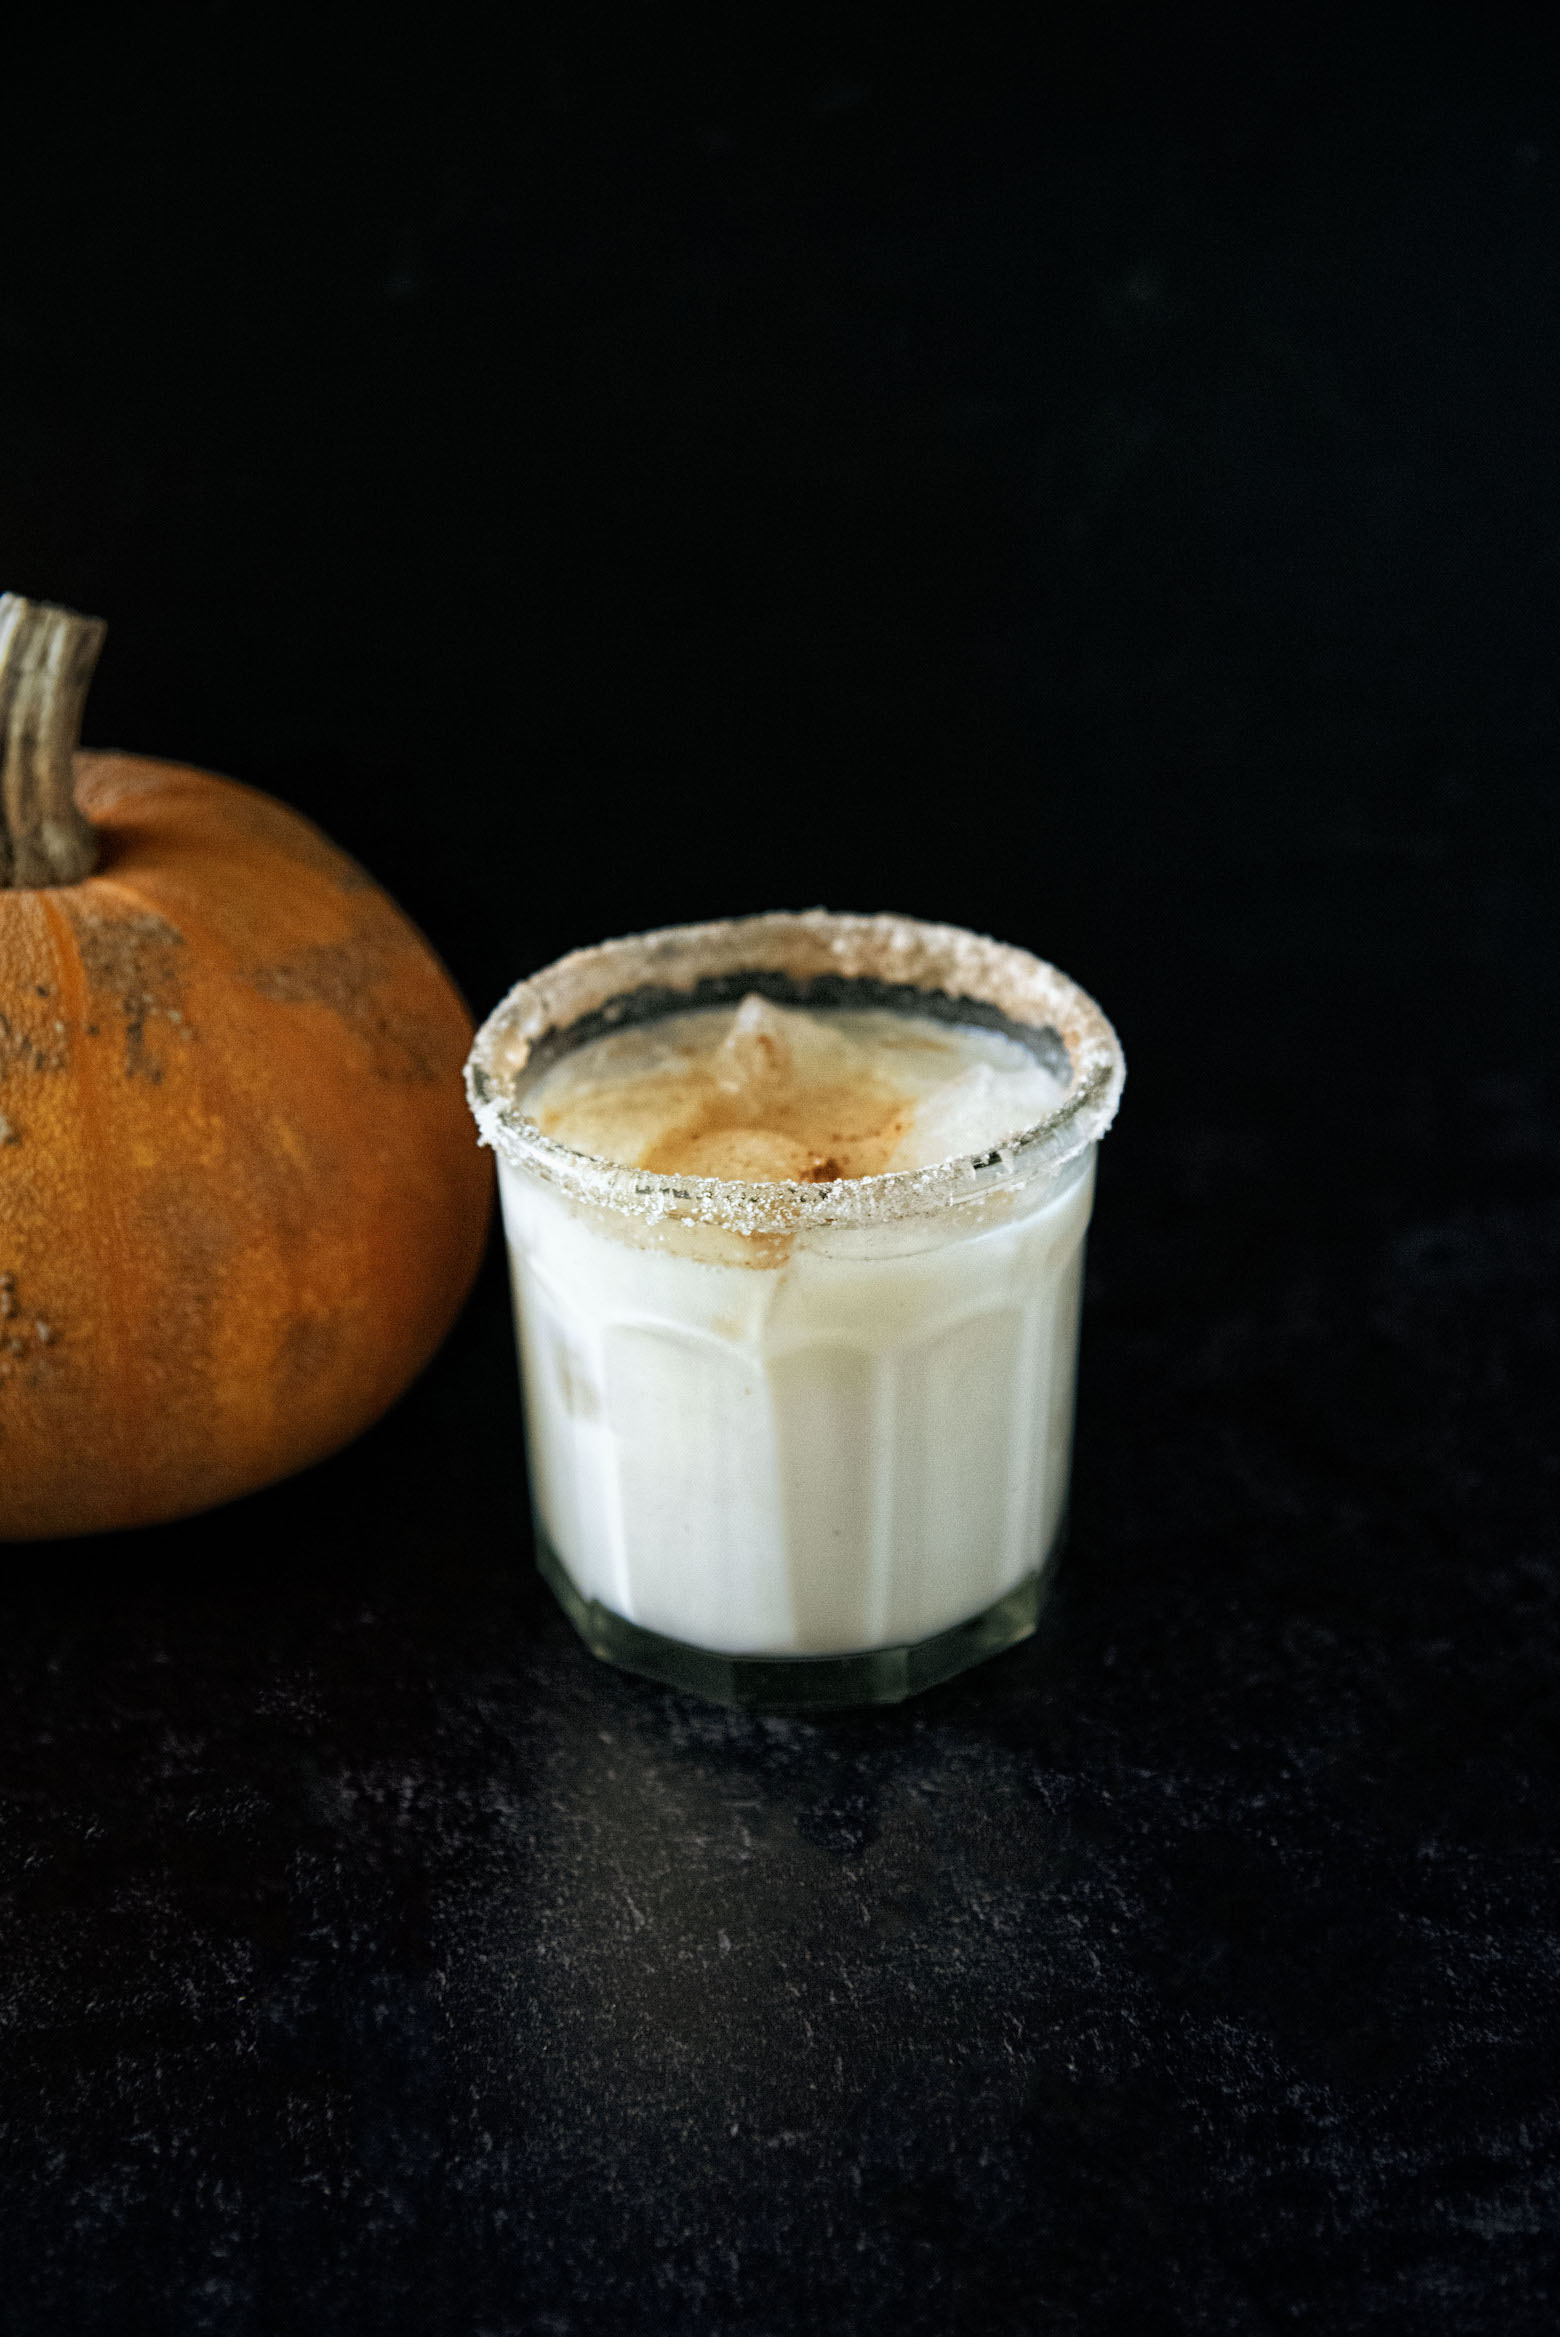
(240, 1200)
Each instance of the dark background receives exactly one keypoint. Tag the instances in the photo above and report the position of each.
(617, 466)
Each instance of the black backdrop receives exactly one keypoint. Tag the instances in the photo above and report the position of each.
(611, 467)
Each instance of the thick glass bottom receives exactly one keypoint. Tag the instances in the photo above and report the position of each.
(796, 1683)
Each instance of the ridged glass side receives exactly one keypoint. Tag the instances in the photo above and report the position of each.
(881, 1675)
(813, 1503)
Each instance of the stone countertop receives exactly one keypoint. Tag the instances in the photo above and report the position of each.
(377, 1960)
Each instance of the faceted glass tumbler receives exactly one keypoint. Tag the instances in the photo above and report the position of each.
(794, 1446)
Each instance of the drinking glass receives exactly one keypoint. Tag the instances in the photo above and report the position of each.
(799, 1445)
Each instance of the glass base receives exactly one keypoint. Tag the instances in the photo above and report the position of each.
(796, 1683)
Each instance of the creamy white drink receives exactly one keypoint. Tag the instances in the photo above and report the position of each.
(797, 1278)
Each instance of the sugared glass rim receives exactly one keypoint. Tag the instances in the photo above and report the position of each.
(805, 945)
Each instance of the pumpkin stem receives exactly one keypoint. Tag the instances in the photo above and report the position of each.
(46, 661)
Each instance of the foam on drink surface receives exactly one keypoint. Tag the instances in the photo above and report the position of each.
(784, 1095)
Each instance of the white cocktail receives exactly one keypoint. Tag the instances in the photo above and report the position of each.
(796, 1209)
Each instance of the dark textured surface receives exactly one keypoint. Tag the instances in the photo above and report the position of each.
(1143, 463)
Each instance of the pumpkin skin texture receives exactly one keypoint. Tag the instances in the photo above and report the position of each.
(240, 1200)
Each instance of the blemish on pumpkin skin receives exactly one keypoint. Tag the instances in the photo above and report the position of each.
(9, 1132)
(25, 1050)
(346, 977)
(135, 960)
(22, 1338)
